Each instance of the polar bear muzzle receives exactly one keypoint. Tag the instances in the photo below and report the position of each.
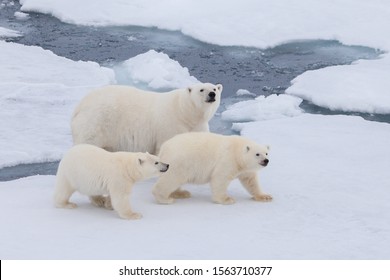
(211, 97)
(265, 162)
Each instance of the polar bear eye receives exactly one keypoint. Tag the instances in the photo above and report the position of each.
(156, 163)
(257, 154)
(202, 90)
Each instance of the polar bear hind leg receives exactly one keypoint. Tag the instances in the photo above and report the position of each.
(63, 192)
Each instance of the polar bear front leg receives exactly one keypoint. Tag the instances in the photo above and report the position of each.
(120, 199)
(165, 187)
(250, 182)
(219, 191)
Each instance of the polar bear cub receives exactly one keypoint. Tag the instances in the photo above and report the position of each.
(95, 172)
(201, 158)
(123, 118)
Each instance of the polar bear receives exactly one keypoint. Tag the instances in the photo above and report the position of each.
(96, 172)
(200, 158)
(123, 118)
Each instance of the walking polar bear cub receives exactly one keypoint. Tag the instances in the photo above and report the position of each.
(95, 172)
(122, 118)
(201, 158)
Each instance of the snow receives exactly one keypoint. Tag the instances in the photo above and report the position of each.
(328, 176)
(262, 23)
(5, 32)
(263, 108)
(155, 70)
(38, 92)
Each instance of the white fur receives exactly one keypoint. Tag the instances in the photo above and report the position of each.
(95, 172)
(201, 158)
(122, 118)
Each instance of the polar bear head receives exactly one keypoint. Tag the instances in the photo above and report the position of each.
(255, 156)
(205, 93)
(150, 165)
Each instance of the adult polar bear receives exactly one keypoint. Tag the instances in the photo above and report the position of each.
(122, 118)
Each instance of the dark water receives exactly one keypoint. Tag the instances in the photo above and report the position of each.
(262, 72)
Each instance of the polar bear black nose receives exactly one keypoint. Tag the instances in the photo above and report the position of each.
(166, 167)
(212, 94)
(266, 161)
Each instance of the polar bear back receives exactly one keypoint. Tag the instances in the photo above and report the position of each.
(122, 118)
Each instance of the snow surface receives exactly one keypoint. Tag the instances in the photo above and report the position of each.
(262, 23)
(155, 70)
(38, 93)
(328, 176)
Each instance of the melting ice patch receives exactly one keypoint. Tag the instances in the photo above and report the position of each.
(7, 33)
(360, 87)
(154, 70)
(245, 92)
(263, 108)
(21, 16)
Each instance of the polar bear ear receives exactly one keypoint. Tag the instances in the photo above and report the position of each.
(189, 89)
(268, 147)
(140, 161)
(220, 87)
(247, 149)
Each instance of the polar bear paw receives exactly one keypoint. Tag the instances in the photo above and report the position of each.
(130, 216)
(225, 201)
(168, 200)
(180, 194)
(67, 205)
(263, 197)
